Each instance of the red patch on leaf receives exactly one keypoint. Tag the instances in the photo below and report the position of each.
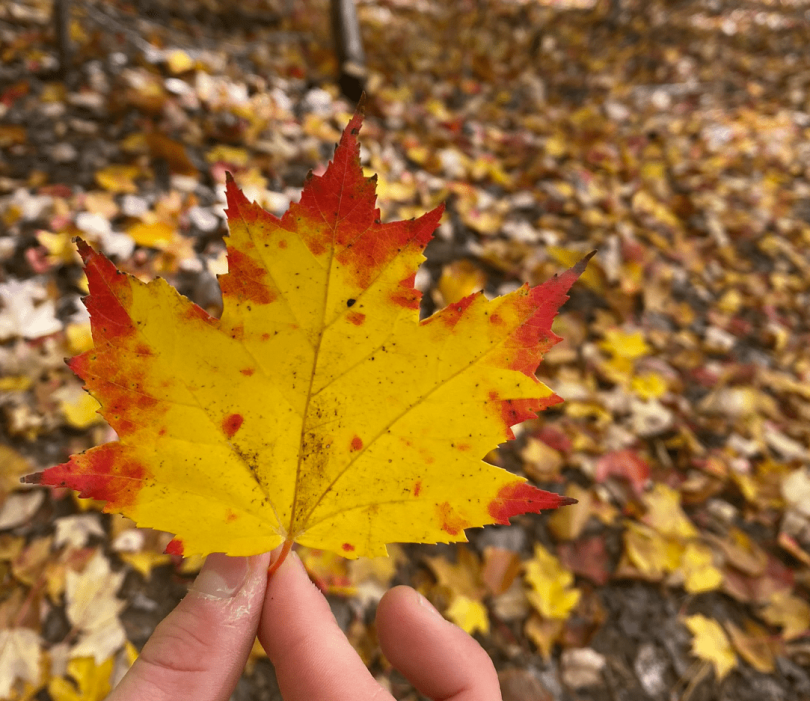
(245, 279)
(496, 319)
(515, 411)
(521, 498)
(452, 313)
(417, 488)
(282, 243)
(231, 424)
(357, 443)
(404, 295)
(143, 349)
(175, 547)
(230, 515)
(450, 522)
(356, 318)
(193, 311)
(110, 295)
(107, 473)
(247, 371)
(347, 547)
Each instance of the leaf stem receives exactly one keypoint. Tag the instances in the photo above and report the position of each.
(285, 550)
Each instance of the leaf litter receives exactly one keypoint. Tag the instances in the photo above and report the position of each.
(684, 367)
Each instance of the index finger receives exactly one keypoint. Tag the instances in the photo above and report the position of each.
(313, 659)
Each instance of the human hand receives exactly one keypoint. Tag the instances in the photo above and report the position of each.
(199, 651)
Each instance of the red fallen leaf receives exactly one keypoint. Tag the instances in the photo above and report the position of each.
(553, 437)
(624, 464)
(586, 557)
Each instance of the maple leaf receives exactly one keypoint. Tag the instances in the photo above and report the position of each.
(318, 409)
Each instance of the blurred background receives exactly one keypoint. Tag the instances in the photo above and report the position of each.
(672, 137)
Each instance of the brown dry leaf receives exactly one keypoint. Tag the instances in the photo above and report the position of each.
(742, 552)
(501, 566)
(568, 524)
(754, 645)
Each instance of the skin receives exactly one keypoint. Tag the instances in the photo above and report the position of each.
(232, 597)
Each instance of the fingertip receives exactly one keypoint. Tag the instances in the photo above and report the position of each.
(436, 656)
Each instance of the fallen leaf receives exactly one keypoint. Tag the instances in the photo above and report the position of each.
(468, 614)
(88, 681)
(318, 409)
(754, 645)
(19, 658)
(500, 568)
(551, 590)
(789, 612)
(92, 608)
(697, 565)
(711, 644)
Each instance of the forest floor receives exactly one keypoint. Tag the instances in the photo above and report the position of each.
(671, 137)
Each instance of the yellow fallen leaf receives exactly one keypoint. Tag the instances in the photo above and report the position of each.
(155, 234)
(178, 61)
(625, 344)
(469, 615)
(665, 515)
(789, 612)
(88, 681)
(649, 385)
(118, 178)
(551, 593)
(145, 560)
(711, 644)
(698, 569)
(81, 411)
(459, 279)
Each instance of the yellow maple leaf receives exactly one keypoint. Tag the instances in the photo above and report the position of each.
(698, 569)
(319, 409)
(711, 644)
(89, 681)
(551, 592)
(468, 614)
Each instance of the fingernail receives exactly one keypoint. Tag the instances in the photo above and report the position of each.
(424, 603)
(221, 576)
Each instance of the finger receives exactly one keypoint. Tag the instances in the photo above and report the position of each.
(312, 657)
(438, 658)
(199, 650)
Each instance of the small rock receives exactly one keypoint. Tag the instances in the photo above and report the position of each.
(64, 153)
(650, 666)
(581, 667)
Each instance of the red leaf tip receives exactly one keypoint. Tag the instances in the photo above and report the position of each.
(568, 501)
(35, 478)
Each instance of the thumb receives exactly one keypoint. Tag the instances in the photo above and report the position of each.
(199, 650)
